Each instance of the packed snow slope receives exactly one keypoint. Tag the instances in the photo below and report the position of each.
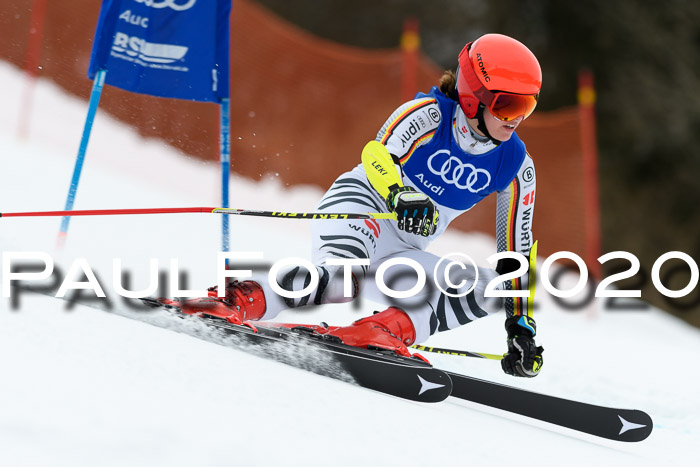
(85, 387)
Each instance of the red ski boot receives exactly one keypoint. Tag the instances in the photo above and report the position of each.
(390, 329)
(244, 301)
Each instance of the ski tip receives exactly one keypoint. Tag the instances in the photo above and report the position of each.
(635, 426)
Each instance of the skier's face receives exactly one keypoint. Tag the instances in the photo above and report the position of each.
(499, 129)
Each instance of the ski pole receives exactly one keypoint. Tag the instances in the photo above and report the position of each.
(458, 353)
(206, 210)
(532, 279)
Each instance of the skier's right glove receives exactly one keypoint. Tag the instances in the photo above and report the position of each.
(415, 212)
(524, 358)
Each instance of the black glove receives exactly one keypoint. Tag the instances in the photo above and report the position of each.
(524, 358)
(415, 212)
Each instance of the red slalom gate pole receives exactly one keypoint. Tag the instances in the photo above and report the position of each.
(410, 45)
(104, 212)
(31, 65)
(589, 150)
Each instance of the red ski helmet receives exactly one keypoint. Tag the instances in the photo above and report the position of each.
(500, 73)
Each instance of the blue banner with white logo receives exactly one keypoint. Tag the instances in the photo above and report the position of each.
(165, 48)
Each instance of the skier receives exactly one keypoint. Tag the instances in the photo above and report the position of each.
(440, 153)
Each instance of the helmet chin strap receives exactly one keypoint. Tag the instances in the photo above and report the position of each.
(480, 118)
(482, 125)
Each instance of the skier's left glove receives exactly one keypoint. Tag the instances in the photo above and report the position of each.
(524, 358)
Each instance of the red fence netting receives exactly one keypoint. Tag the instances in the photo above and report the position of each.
(302, 107)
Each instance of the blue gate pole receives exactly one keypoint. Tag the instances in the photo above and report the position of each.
(225, 142)
(97, 85)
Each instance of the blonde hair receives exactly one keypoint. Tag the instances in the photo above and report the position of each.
(448, 84)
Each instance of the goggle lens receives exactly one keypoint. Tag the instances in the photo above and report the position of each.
(508, 107)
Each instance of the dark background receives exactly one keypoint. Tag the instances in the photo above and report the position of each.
(645, 57)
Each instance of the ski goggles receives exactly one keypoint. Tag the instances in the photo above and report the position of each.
(505, 106)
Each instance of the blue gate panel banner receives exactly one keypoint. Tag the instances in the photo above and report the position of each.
(165, 48)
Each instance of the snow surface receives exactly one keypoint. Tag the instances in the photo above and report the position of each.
(85, 387)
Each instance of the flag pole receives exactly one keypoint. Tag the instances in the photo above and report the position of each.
(97, 85)
(225, 141)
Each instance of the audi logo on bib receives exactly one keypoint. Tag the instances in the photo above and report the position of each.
(177, 5)
(460, 174)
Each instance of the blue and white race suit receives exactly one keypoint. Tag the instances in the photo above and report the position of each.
(441, 156)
